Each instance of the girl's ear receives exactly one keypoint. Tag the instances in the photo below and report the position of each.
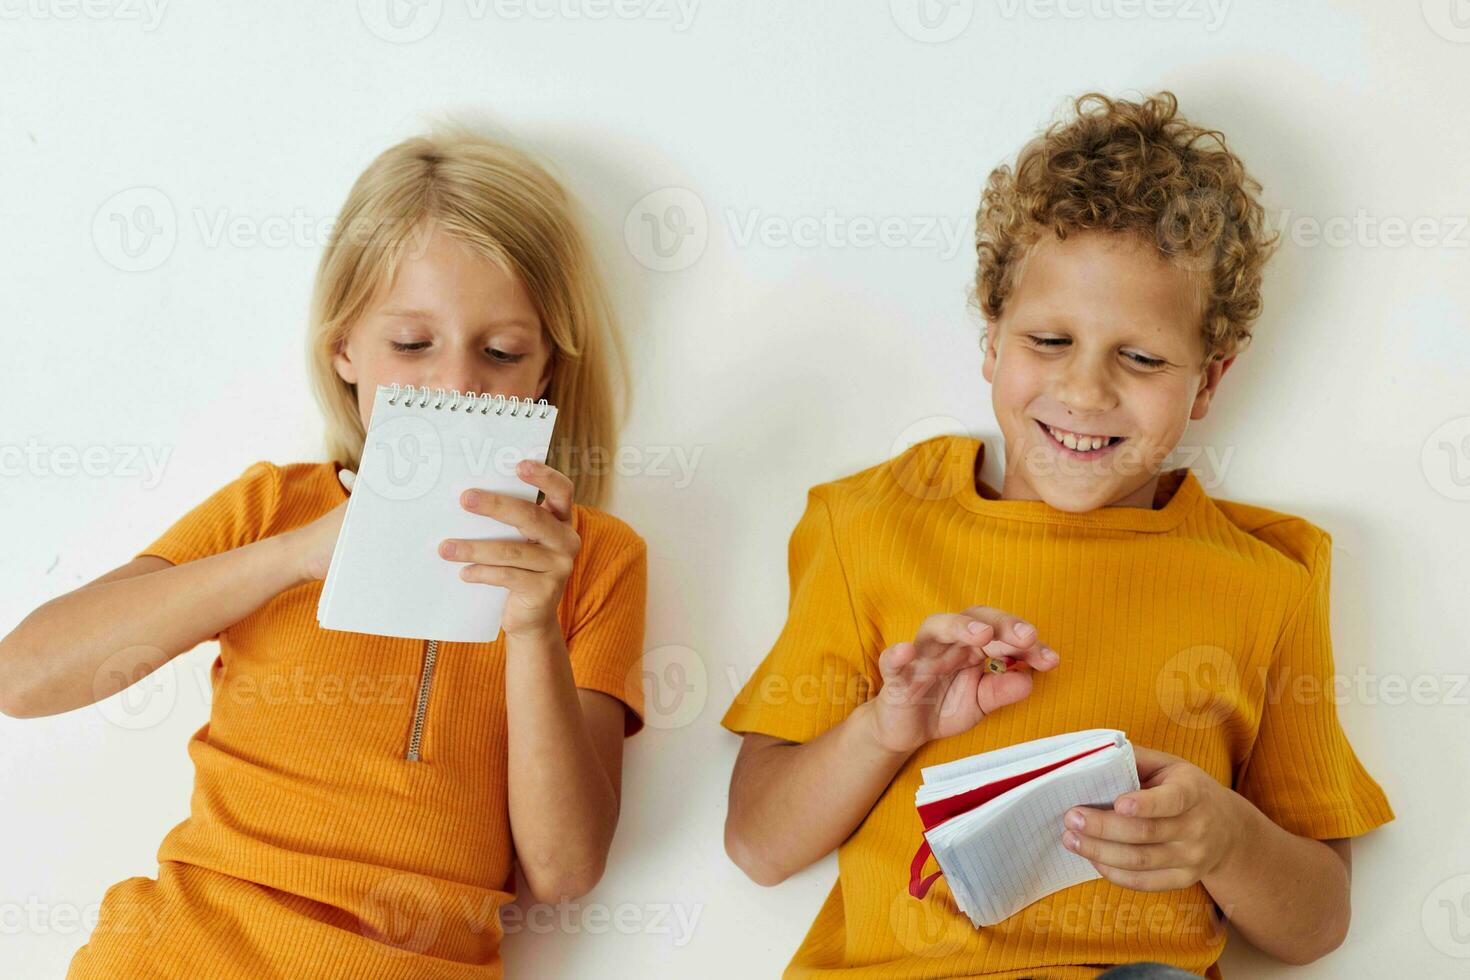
(346, 370)
(545, 381)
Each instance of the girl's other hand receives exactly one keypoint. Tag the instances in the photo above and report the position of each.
(314, 543)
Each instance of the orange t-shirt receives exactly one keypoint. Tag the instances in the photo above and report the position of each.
(1199, 627)
(314, 847)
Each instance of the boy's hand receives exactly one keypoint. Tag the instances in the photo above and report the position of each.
(535, 570)
(937, 685)
(1178, 827)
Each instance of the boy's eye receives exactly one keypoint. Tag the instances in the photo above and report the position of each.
(1142, 360)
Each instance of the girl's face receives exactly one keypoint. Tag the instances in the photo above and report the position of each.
(1100, 339)
(451, 319)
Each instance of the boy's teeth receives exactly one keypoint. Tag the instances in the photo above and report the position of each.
(1079, 443)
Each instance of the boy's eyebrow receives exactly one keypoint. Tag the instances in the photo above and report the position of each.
(413, 314)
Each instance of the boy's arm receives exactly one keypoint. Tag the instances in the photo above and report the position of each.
(1289, 896)
(791, 803)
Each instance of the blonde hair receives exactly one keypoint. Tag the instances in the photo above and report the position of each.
(501, 202)
(1138, 168)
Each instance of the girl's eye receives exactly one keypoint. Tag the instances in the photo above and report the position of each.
(416, 345)
(505, 358)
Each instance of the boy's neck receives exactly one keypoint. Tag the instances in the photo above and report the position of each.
(1151, 496)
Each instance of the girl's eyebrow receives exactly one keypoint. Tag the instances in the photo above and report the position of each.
(426, 315)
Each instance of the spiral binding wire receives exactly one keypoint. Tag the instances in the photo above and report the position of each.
(502, 405)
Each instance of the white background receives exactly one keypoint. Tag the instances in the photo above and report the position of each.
(771, 363)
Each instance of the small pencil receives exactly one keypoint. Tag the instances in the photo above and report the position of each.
(998, 665)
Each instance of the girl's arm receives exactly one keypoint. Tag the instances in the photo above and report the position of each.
(564, 749)
(792, 803)
(109, 634)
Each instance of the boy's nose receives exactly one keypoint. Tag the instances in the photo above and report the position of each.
(1085, 392)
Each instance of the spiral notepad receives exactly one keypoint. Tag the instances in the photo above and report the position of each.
(423, 449)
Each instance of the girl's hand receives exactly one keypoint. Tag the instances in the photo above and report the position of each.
(937, 686)
(535, 570)
(1178, 827)
(314, 543)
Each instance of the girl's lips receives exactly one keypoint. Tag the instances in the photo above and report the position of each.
(1075, 454)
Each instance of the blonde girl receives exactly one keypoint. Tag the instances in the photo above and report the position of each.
(360, 802)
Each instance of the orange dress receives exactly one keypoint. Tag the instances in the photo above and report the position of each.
(316, 846)
(1200, 628)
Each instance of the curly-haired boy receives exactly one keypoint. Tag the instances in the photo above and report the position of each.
(1119, 275)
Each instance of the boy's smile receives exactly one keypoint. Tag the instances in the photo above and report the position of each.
(1097, 365)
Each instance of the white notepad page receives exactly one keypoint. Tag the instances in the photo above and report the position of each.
(1008, 853)
(425, 447)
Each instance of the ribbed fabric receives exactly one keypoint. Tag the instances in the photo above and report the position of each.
(1199, 627)
(314, 848)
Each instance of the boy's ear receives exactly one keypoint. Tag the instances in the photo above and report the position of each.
(988, 366)
(1209, 381)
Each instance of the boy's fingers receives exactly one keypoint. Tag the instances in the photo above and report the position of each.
(1038, 657)
(946, 629)
(896, 658)
(1000, 690)
(1010, 628)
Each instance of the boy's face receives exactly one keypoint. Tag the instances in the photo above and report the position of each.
(1100, 337)
(451, 318)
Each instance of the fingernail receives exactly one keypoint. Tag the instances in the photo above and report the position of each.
(976, 627)
(1025, 629)
(1070, 839)
(1126, 807)
(1049, 655)
(449, 549)
(1074, 820)
(471, 498)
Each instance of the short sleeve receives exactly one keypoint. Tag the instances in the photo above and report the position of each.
(237, 514)
(608, 595)
(1301, 771)
(819, 669)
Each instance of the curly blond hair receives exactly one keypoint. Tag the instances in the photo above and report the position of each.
(1142, 169)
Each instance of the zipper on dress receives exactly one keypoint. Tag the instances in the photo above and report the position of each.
(421, 706)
